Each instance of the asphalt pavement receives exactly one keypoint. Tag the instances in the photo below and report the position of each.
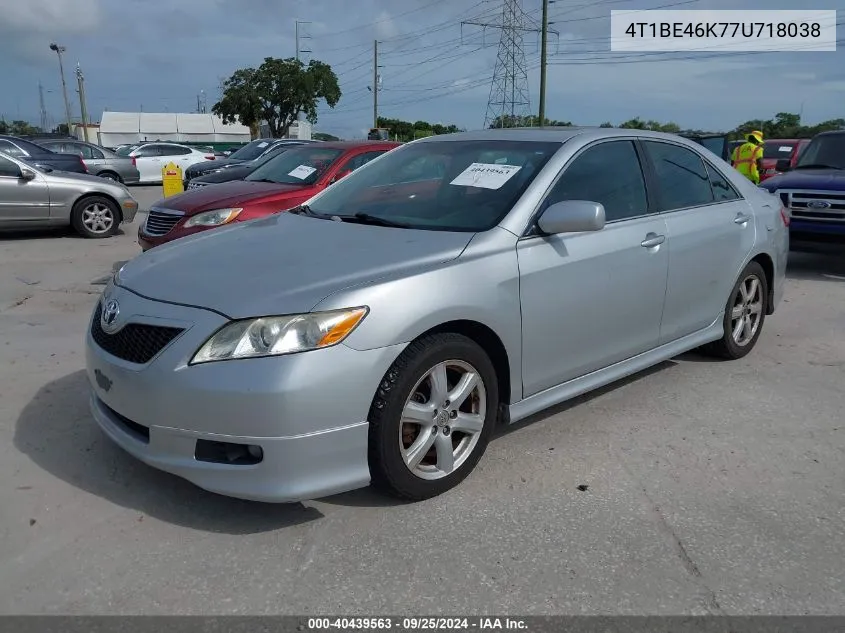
(696, 487)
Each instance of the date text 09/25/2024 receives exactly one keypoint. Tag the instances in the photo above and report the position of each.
(415, 624)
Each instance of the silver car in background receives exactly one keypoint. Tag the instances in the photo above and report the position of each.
(381, 331)
(34, 197)
(99, 160)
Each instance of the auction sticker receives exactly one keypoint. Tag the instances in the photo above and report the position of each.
(302, 172)
(485, 175)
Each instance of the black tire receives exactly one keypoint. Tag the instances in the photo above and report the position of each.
(728, 347)
(388, 470)
(77, 216)
(110, 175)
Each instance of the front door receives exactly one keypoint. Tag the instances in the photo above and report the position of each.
(590, 300)
(711, 230)
(22, 200)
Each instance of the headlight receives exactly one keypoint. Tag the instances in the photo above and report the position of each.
(274, 336)
(213, 218)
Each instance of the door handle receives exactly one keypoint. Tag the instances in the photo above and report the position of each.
(741, 219)
(652, 239)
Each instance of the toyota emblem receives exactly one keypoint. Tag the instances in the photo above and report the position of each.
(110, 312)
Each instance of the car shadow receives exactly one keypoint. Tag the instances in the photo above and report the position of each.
(369, 498)
(817, 262)
(57, 432)
(22, 235)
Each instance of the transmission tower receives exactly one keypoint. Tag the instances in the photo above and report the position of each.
(509, 95)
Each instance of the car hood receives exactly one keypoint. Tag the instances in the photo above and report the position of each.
(235, 172)
(228, 194)
(213, 164)
(822, 179)
(75, 179)
(281, 264)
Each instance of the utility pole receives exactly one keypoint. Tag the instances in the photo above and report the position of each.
(375, 83)
(300, 51)
(59, 50)
(544, 36)
(83, 108)
(42, 107)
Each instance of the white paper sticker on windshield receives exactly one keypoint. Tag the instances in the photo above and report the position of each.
(485, 175)
(302, 172)
(264, 144)
(784, 148)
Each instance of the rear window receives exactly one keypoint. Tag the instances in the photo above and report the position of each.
(778, 149)
(126, 150)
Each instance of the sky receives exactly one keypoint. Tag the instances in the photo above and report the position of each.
(159, 55)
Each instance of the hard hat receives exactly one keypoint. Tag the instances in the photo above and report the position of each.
(757, 135)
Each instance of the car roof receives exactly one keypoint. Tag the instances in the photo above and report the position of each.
(831, 133)
(349, 145)
(552, 134)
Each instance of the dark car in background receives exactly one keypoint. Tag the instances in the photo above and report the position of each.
(813, 190)
(99, 161)
(282, 183)
(249, 152)
(240, 170)
(776, 149)
(38, 156)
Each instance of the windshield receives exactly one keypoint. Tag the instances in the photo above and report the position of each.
(778, 149)
(826, 150)
(443, 185)
(300, 166)
(281, 149)
(250, 151)
(126, 150)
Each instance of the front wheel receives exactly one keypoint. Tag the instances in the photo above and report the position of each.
(432, 417)
(745, 313)
(95, 217)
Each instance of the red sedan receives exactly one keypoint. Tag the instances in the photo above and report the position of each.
(283, 183)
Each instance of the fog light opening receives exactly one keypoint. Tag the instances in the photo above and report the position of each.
(228, 453)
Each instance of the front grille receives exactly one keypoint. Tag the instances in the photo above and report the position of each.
(801, 205)
(136, 342)
(160, 222)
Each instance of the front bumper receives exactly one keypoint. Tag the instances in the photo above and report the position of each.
(307, 412)
(128, 209)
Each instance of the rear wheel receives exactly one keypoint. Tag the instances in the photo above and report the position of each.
(432, 417)
(110, 175)
(95, 217)
(745, 313)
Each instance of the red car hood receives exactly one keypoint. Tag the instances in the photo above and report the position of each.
(229, 194)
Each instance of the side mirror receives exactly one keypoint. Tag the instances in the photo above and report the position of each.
(27, 174)
(572, 216)
(782, 165)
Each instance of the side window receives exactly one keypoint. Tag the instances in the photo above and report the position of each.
(76, 148)
(147, 151)
(173, 150)
(8, 168)
(681, 176)
(722, 189)
(10, 148)
(609, 173)
(360, 160)
(95, 153)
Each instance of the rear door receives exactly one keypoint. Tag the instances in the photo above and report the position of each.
(711, 230)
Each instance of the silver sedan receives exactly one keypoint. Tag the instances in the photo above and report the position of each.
(36, 197)
(379, 333)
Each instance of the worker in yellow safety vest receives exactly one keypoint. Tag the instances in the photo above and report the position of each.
(747, 159)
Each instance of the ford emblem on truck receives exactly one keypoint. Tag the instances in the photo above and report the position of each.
(818, 204)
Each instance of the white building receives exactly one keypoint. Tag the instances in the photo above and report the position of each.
(118, 128)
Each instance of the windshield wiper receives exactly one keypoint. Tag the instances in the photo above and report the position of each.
(366, 218)
(273, 182)
(818, 166)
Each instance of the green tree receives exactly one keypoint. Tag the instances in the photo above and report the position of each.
(322, 136)
(4, 127)
(606, 124)
(61, 128)
(22, 128)
(277, 92)
(407, 131)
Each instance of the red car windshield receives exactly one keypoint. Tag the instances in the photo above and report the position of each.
(778, 149)
(301, 166)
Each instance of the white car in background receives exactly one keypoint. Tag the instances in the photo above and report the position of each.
(150, 158)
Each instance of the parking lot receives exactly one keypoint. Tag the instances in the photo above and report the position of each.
(697, 487)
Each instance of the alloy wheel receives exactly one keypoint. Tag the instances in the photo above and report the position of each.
(98, 218)
(747, 311)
